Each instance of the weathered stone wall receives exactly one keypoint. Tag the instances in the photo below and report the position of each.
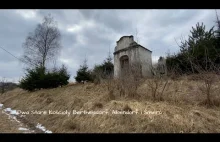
(146, 62)
(135, 53)
(124, 42)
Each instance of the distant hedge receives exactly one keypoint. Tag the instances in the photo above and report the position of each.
(38, 78)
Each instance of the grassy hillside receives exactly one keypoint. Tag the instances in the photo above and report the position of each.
(180, 111)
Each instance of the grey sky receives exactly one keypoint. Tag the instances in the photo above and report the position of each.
(90, 33)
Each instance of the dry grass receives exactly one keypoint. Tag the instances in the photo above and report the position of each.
(8, 126)
(98, 105)
(181, 109)
(183, 91)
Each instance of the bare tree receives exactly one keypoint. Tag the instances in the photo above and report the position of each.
(42, 44)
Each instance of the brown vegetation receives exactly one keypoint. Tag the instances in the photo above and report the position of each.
(182, 108)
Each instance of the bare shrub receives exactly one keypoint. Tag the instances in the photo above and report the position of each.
(157, 86)
(111, 83)
(154, 85)
(89, 87)
(111, 95)
(127, 108)
(126, 85)
(174, 73)
(159, 82)
(49, 100)
(96, 81)
(129, 80)
(98, 105)
(194, 77)
(209, 79)
(97, 76)
(164, 85)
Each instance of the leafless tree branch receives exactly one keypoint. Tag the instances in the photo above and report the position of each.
(43, 44)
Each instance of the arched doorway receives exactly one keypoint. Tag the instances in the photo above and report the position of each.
(124, 62)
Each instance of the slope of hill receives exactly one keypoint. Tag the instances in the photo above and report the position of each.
(87, 108)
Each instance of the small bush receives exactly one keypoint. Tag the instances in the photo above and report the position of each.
(111, 95)
(207, 88)
(49, 100)
(103, 71)
(98, 105)
(83, 74)
(127, 108)
(38, 78)
(157, 86)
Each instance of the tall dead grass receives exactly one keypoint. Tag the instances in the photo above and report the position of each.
(173, 119)
(181, 108)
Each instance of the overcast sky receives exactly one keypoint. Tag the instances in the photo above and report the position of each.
(91, 33)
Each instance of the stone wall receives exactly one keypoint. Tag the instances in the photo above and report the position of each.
(146, 62)
(133, 55)
(124, 42)
(136, 54)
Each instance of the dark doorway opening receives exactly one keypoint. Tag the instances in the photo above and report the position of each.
(124, 61)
